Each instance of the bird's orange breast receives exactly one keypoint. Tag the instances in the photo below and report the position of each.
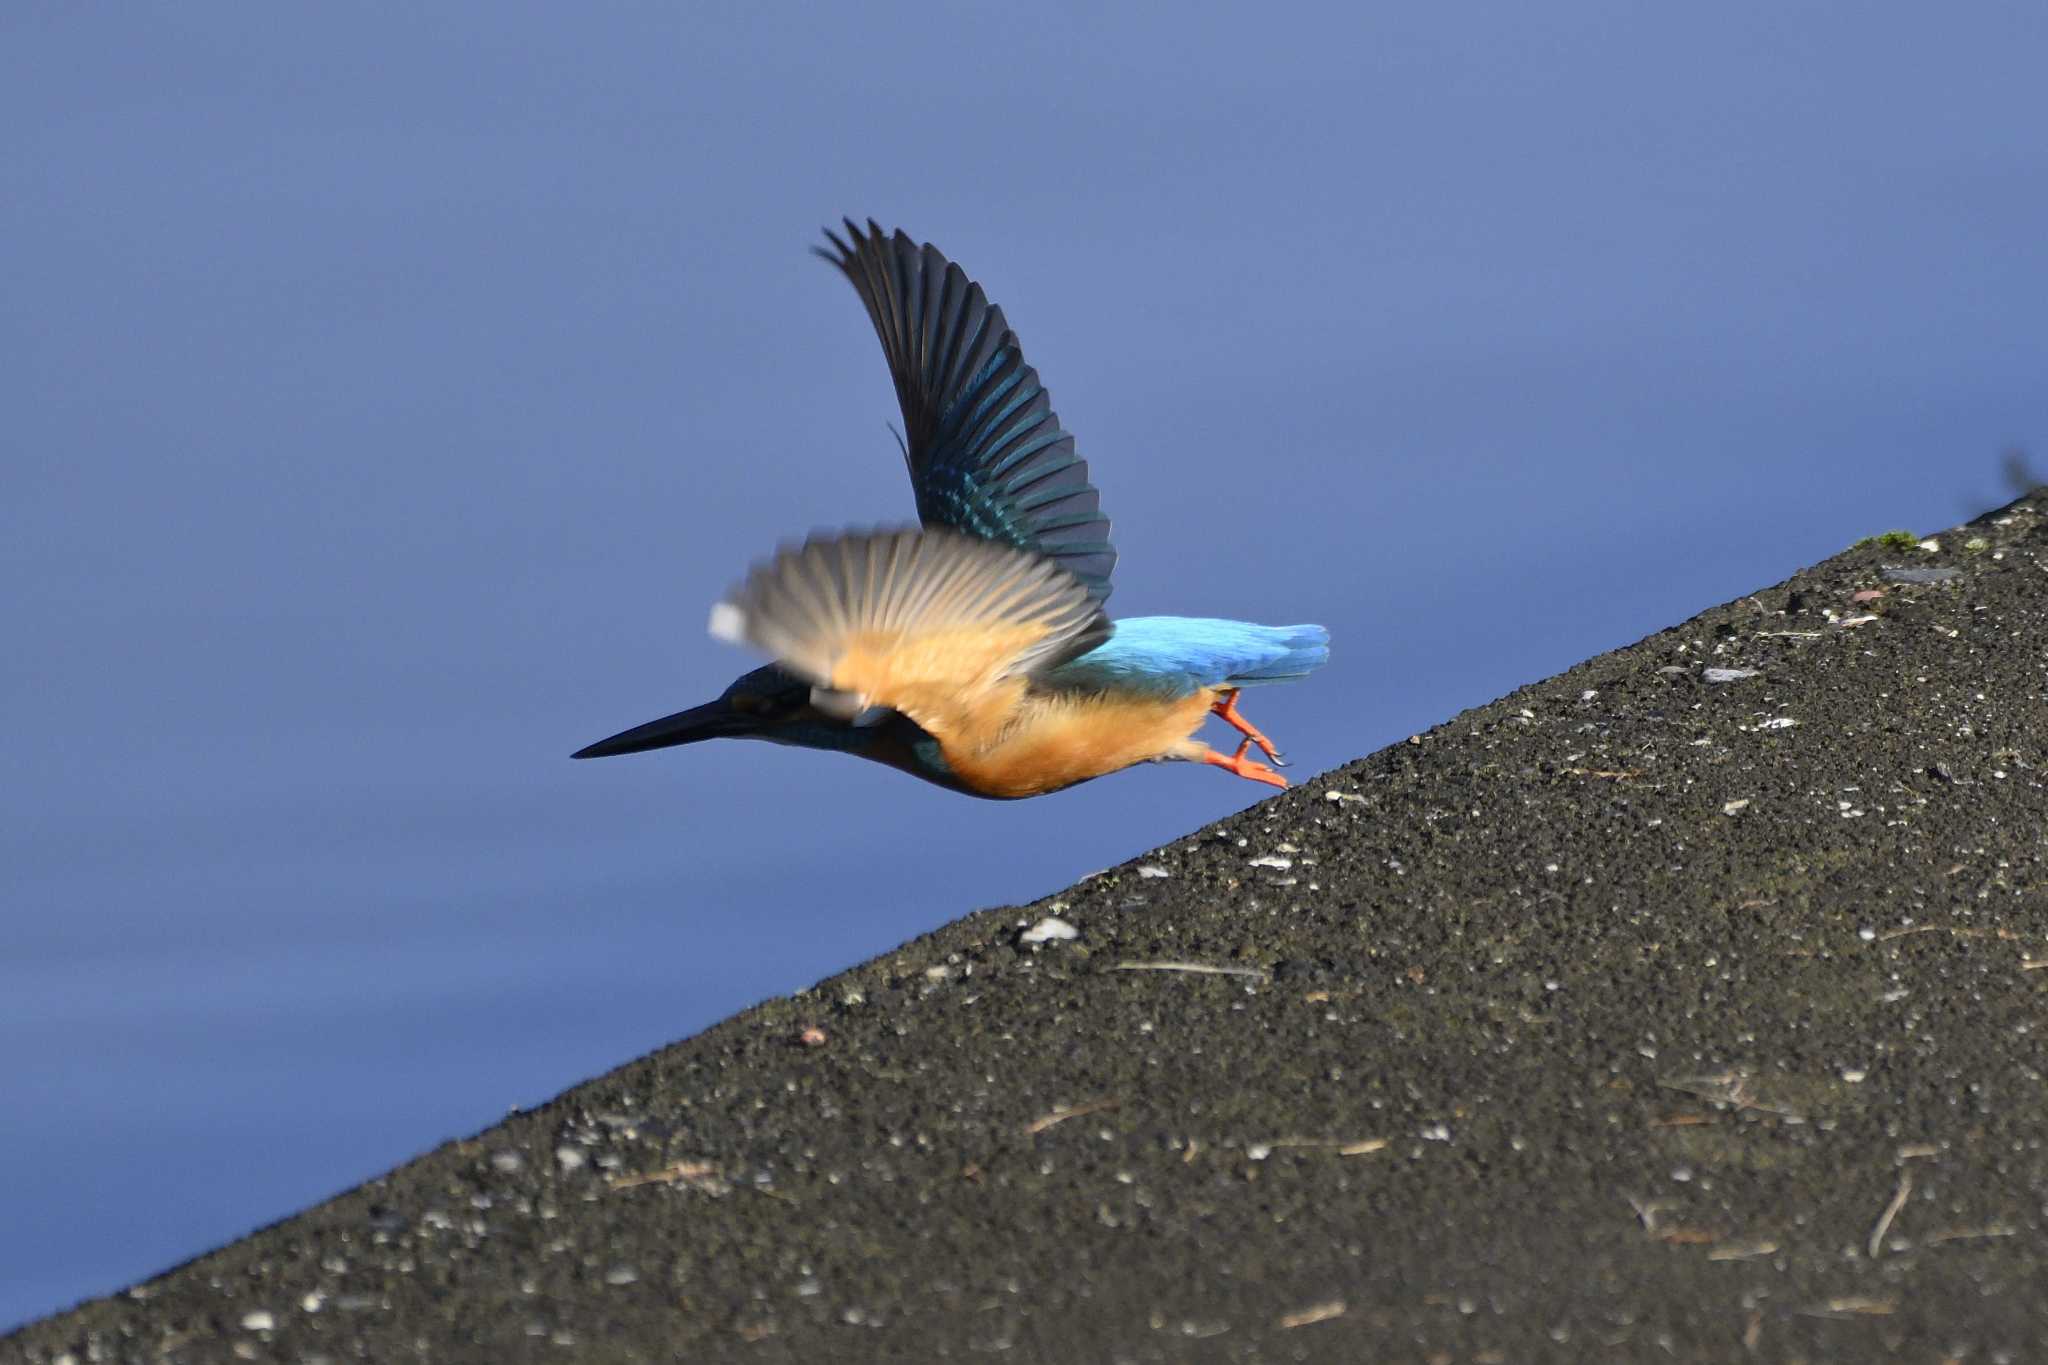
(1054, 741)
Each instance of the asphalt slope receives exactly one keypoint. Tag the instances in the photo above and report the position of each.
(1635, 1016)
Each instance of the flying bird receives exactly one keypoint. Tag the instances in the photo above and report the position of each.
(974, 653)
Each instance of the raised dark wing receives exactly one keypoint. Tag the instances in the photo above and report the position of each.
(986, 452)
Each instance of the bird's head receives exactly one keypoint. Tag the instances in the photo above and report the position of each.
(774, 704)
(768, 703)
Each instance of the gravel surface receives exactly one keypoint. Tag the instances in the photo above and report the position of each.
(1680, 1007)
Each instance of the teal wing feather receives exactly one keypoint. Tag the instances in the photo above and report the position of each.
(1175, 655)
(986, 452)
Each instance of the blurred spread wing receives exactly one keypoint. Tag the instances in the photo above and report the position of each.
(987, 455)
(945, 628)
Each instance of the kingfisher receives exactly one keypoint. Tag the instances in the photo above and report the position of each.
(974, 652)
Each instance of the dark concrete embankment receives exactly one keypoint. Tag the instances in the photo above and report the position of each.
(1680, 1007)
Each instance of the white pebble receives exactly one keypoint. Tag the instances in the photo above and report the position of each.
(1048, 929)
(1153, 870)
(259, 1321)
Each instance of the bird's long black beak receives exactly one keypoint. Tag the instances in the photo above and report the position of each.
(713, 720)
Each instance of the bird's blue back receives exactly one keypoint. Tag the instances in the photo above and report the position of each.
(1173, 656)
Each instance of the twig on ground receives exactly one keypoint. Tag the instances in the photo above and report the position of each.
(1875, 1247)
(700, 1175)
(1045, 1121)
(1315, 1312)
(1197, 968)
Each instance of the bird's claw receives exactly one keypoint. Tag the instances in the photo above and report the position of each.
(1248, 768)
(1226, 710)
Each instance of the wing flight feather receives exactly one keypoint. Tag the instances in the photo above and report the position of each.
(946, 628)
(987, 454)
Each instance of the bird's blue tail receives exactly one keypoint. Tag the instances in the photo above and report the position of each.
(1296, 652)
(1175, 655)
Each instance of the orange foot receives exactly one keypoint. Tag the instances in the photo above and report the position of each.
(1226, 709)
(1245, 767)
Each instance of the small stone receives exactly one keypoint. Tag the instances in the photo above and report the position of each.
(388, 1222)
(1778, 723)
(1274, 861)
(1048, 930)
(1736, 807)
(1155, 870)
(1727, 675)
(506, 1162)
(260, 1320)
(621, 1274)
(1895, 573)
(570, 1158)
